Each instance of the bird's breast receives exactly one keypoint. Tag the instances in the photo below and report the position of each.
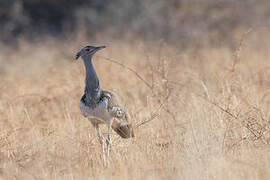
(99, 111)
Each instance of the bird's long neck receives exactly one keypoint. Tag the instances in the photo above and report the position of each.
(92, 89)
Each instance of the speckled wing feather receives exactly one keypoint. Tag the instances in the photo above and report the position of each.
(121, 124)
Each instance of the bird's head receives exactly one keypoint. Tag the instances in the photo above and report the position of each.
(88, 51)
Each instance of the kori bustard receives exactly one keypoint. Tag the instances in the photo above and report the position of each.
(102, 106)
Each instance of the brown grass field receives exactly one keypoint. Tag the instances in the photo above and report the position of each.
(202, 113)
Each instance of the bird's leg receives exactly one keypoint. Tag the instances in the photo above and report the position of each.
(101, 140)
(108, 140)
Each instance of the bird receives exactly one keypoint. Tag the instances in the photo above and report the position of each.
(102, 106)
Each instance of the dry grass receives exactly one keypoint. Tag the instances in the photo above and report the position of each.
(208, 110)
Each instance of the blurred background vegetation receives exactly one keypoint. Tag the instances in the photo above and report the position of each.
(180, 22)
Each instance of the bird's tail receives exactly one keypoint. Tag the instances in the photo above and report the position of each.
(125, 131)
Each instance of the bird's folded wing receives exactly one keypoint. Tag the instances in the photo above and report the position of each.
(121, 123)
(115, 106)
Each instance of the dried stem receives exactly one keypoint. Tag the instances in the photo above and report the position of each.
(128, 68)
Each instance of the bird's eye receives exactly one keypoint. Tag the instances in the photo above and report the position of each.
(87, 50)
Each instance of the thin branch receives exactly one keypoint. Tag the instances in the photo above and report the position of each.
(128, 68)
(155, 114)
(239, 49)
(218, 106)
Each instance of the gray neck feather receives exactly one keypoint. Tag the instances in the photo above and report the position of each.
(92, 89)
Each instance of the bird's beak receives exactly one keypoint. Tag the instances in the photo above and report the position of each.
(78, 55)
(99, 48)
